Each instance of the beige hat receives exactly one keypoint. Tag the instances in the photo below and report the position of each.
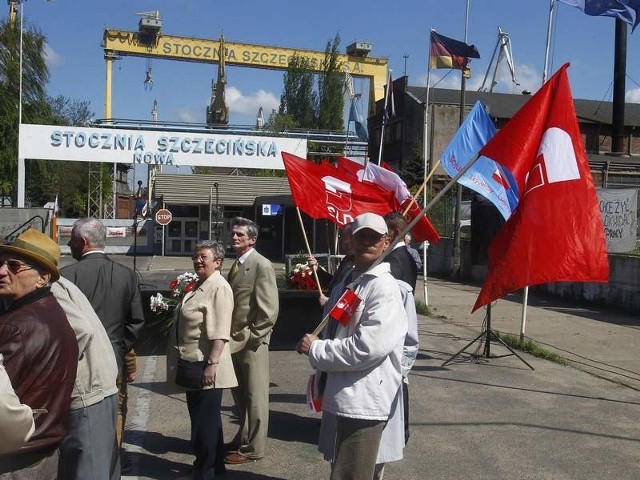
(37, 247)
(372, 221)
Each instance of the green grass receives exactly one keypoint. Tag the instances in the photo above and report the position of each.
(423, 309)
(531, 347)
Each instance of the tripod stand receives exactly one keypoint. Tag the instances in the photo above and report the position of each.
(487, 334)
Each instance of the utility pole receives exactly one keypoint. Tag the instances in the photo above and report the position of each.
(405, 56)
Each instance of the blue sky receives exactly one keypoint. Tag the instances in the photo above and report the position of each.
(74, 31)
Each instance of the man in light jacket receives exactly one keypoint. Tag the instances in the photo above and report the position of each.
(89, 448)
(364, 359)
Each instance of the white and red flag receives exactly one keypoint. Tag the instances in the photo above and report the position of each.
(556, 232)
(322, 191)
(390, 181)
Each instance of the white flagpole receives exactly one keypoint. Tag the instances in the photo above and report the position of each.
(525, 290)
(425, 149)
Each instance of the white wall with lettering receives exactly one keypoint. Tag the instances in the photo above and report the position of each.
(619, 209)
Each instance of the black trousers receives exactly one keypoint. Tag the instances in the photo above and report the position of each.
(206, 431)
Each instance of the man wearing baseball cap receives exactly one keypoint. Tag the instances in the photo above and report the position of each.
(39, 349)
(363, 359)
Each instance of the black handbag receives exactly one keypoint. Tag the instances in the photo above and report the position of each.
(188, 374)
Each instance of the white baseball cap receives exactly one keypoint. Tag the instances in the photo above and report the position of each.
(372, 221)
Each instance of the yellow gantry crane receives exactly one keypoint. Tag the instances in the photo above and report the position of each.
(150, 42)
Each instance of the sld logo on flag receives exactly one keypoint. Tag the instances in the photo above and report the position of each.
(338, 198)
(556, 161)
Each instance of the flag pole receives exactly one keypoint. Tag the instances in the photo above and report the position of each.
(456, 227)
(406, 230)
(425, 149)
(545, 68)
(525, 290)
(384, 116)
(306, 244)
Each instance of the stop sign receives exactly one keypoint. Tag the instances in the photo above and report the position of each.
(163, 216)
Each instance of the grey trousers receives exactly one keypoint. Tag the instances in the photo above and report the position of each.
(251, 397)
(90, 443)
(357, 443)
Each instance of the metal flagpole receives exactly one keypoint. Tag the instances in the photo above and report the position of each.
(425, 151)
(456, 228)
(545, 70)
(384, 116)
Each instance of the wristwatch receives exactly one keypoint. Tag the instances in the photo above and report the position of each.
(212, 362)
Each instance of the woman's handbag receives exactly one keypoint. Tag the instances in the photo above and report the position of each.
(188, 374)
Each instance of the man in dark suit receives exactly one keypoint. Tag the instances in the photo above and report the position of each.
(114, 294)
(403, 267)
(255, 311)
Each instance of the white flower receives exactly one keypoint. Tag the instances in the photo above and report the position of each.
(157, 303)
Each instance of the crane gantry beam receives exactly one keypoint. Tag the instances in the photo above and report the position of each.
(118, 43)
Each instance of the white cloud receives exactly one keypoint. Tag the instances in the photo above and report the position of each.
(249, 104)
(633, 96)
(51, 58)
(191, 116)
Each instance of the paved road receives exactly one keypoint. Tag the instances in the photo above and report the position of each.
(476, 418)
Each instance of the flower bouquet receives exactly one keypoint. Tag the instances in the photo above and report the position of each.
(163, 307)
(302, 278)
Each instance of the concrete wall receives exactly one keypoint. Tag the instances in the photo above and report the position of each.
(622, 291)
(12, 220)
(143, 244)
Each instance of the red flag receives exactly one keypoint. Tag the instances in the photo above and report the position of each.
(345, 306)
(556, 232)
(391, 181)
(321, 191)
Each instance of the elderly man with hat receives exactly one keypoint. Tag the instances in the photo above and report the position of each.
(39, 349)
(363, 360)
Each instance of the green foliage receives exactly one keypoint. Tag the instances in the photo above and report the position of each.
(422, 308)
(35, 109)
(531, 347)
(280, 122)
(45, 179)
(300, 106)
(330, 88)
(412, 170)
(298, 99)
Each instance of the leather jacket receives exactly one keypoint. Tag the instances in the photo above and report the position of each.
(41, 356)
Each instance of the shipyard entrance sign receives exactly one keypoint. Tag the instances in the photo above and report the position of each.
(152, 147)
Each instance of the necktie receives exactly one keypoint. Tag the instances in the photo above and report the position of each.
(234, 270)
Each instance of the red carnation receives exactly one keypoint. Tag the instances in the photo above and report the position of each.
(173, 283)
(190, 286)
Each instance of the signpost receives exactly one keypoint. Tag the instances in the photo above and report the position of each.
(163, 217)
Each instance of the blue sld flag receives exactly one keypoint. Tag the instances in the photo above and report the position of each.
(485, 176)
(626, 10)
(356, 117)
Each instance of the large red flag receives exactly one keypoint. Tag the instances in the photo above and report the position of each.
(321, 191)
(556, 232)
(388, 180)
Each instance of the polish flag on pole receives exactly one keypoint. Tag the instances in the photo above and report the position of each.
(556, 231)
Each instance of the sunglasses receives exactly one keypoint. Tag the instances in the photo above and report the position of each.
(15, 266)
